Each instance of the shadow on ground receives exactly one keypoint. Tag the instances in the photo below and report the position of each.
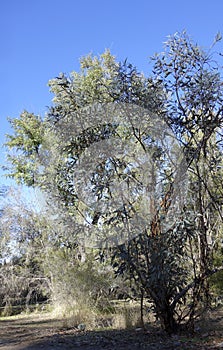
(36, 333)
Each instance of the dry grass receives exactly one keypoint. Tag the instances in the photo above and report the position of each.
(120, 315)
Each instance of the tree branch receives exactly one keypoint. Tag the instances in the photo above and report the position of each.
(197, 281)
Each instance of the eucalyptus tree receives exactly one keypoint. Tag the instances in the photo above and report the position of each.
(115, 155)
(174, 269)
(192, 79)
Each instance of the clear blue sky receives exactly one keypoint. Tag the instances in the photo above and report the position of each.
(41, 38)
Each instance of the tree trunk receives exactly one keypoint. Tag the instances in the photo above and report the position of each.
(168, 323)
(141, 309)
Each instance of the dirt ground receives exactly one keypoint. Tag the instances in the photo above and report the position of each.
(36, 332)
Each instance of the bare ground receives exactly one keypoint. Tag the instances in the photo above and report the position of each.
(36, 332)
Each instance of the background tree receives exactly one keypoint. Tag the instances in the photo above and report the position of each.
(23, 240)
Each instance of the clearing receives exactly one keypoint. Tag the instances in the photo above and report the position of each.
(42, 331)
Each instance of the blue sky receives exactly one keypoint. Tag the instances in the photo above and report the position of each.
(40, 39)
